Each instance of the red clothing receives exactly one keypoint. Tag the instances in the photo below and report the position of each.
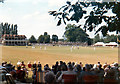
(29, 65)
(19, 74)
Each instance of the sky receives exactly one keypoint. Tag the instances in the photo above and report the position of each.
(32, 16)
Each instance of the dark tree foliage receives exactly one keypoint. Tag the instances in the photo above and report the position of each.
(32, 39)
(2, 1)
(97, 38)
(75, 34)
(47, 38)
(90, 41)
(45, 34)
(9, 29)
(108, 38)
(40, 39)
(77, 11)
(44, 38)
(54, 38)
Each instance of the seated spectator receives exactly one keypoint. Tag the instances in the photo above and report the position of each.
(87, 72)
(39, 67)
(13, 73)
(55, 67)
(29, 65)
(77, 69)
(8, 66)
(93, 73)
(81, 64)
(4, 64)
(13, 68)
(20, 74)
(105, 65)
(100, 73)
(49, 78)
(46, 69)
(34, 66)
(110, 73)
(98, 64)
(24, 69)
(22, 64)
(69, 72)
(73, 64)
(63, 68)
(18, 63)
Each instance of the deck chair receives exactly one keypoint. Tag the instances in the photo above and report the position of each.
(40, 77)
(110, 81)
(90, 79)
(69, 78)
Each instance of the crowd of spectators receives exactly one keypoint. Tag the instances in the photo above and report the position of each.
(19, 72)
(62, 72)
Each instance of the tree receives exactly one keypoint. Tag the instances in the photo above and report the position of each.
(97, 38)
(44, 38)
(54, 38)
(9, 29)
(75, 34)
(15, 29)
(47, 38)
(90, 41)
(12, 32)
(110, 38)
(45, 34)
(98, 14)
(40, 39)
(2, 1)
(32, 39)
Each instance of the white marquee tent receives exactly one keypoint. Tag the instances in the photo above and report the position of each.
(106, 44)
(99, 44)
(111, 44)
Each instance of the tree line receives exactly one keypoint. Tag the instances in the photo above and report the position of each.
(7, 28)
(43, 38)
(108, 38)
(74, 33)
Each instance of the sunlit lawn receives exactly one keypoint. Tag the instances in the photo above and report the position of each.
(56, 53)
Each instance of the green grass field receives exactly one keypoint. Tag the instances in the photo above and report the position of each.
(56, 53)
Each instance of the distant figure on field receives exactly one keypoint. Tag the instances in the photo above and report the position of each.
(45, 48)
(94, 48)
(33, 46)
(40, 48)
